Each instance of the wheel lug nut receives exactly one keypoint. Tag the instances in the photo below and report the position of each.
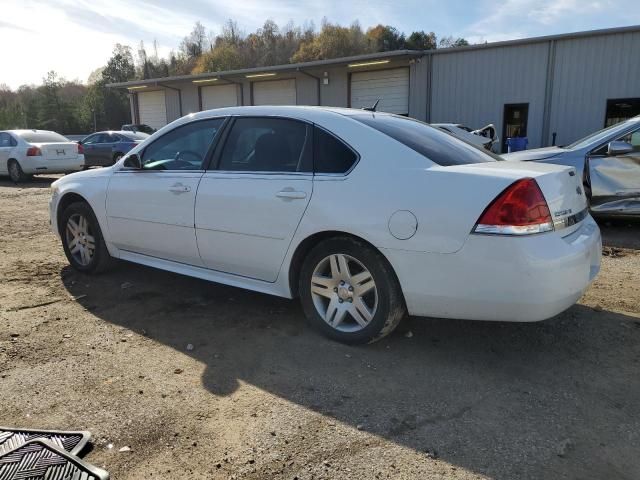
(335, 289)
(340, 300)
(350, 288)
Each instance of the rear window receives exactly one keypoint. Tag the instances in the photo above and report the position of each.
(135, 135)
(42, 137)
(438, 146)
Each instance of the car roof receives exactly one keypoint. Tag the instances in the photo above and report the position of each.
(121, 132)
(25, 130)
(294, 111)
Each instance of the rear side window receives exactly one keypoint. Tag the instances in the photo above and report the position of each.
(5, 140)
(266, 145)
(330, 155)
(42, 137)
(438, 146)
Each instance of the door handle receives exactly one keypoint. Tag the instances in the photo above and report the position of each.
(179, 188)
(291, 194)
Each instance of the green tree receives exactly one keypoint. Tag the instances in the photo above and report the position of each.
(383, 38)
(421, 41)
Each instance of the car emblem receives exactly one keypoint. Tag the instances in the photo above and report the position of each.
(60, 152)
(560, 213)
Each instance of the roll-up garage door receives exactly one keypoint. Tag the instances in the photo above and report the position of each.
(152, 108)
(275, 92)
(390, 86)
(218, 96)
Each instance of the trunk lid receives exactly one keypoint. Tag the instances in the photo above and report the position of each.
(532, 155)
(560, 185)
(58, 150)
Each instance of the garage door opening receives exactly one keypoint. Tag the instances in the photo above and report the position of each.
(218, 96)
(390, 86)
(152, 108)
(274, 92)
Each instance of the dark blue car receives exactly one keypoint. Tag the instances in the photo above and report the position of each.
(105, 148)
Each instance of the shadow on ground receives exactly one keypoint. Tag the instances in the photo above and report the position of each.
(544, 400)
(37, 182)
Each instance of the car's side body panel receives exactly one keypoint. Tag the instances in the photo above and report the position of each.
(443, 269)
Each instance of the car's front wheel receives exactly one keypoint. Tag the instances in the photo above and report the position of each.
(350, 292)
(16, 173)
(82, 239)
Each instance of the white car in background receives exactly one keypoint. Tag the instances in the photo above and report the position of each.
(362, 215)
(27, 152)
(485, 137)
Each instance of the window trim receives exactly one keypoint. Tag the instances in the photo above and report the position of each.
(214, 165)
(591, 153)
(337, 137)
(205, 160)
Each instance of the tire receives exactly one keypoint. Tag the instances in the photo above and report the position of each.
(95, 258)
(355, 311)
(16, 174)
(117, 157)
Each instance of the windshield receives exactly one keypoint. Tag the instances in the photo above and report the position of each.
(42, 137)
(438, 146)
(135, 135)
(599, 136)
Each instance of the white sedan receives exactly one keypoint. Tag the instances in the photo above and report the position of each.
(363, 215)
(27, 152)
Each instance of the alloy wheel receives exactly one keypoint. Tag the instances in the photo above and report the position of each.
(80, 239)
(344, 293)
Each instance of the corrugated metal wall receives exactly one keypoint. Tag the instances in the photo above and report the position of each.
(172, 100)
(587, 72)
(472, 87)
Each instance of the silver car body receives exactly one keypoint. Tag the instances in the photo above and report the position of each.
(609, 162)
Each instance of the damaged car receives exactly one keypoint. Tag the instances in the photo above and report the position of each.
(485, 137)
(607, 160)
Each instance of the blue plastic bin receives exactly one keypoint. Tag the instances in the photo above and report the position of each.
(517, 144)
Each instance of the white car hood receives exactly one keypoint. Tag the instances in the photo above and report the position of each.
(535, 154)
(91, 173)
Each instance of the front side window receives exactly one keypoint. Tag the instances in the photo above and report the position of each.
(432, 143)
(330, 155)
(183, 148)
(267, 145)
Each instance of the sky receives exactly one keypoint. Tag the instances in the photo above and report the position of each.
(74, 37)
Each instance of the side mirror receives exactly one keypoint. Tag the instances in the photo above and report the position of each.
(618, 148)
(133, 161)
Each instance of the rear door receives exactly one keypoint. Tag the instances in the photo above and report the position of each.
(250, 203)
(6, 146)
(90, 146)
(615, 180)
(150, 211)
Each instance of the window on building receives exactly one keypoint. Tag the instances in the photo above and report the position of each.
(621, 109)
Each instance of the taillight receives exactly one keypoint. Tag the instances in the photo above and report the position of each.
(34, 152)
(520, 209)
(80, 149)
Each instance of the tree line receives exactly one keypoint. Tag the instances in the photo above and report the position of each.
(73, 107)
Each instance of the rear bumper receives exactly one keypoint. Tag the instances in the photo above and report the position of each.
(32, 165)
(501, 278)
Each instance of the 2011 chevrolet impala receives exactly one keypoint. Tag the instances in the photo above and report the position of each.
(363, 215)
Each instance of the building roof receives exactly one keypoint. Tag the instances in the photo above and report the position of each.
(373, 56)
(275, 68)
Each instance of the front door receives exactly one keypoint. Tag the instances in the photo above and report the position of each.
(249, 205)
(151, 210)
(514, 122)
(615, 179)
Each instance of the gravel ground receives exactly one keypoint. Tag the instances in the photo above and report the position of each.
(206, 381)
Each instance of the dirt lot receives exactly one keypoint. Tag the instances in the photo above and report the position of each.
(260, 395)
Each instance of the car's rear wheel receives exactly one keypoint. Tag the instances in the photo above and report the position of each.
(82, 239)
(350, 292)
(16, 174)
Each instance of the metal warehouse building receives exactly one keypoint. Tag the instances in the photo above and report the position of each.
(562, 86)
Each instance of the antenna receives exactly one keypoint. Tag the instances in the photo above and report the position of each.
(373, 108)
